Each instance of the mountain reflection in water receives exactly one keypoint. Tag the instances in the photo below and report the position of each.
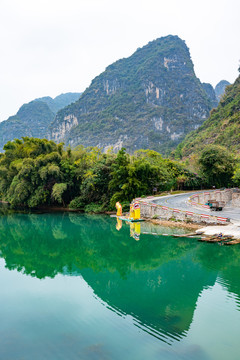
(157, 280)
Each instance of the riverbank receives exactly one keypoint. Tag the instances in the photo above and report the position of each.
(43, 208)
(228, 230)
(232, 230)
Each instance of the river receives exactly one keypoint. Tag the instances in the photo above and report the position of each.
(77, 286)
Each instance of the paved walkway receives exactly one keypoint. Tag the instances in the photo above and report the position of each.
(180, 201)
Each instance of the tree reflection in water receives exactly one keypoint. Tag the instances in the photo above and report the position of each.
(157, 280)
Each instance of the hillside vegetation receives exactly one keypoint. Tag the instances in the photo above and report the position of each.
(221, 128)
(34, 118)
(150, 100)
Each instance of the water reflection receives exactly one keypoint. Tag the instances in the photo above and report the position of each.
(157, 280)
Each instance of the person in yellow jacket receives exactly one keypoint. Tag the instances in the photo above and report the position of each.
(119, 209)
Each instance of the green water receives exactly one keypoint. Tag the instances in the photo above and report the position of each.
(74, 287)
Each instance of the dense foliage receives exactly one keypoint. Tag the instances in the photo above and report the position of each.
(218, 165)
(37, 172)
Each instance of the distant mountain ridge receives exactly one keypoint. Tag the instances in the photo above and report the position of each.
(60, 101)
(151, 99)
(221, 128)
(220, 89)
(33, 119)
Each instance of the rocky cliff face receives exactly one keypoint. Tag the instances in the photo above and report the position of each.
(33, 119)
(150, 100)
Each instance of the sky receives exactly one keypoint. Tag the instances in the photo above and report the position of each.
(50, 47)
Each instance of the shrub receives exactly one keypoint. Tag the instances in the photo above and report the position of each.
(77, 203)
(93, 208)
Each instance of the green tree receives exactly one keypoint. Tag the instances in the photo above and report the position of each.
(119, 172)
(57, 192)
(217, 165)
(29, 168)
(236, 176)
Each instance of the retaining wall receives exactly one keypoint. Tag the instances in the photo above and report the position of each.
(199, 199)
(236, 199)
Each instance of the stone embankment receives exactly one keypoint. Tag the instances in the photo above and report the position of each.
(149, 209)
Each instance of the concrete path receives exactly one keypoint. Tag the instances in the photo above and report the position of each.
(180, 201)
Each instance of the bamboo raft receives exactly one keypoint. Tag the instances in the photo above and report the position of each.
(222, 240)
(189, 235)
(226, 239)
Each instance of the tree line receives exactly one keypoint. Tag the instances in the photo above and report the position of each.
(35, 172)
